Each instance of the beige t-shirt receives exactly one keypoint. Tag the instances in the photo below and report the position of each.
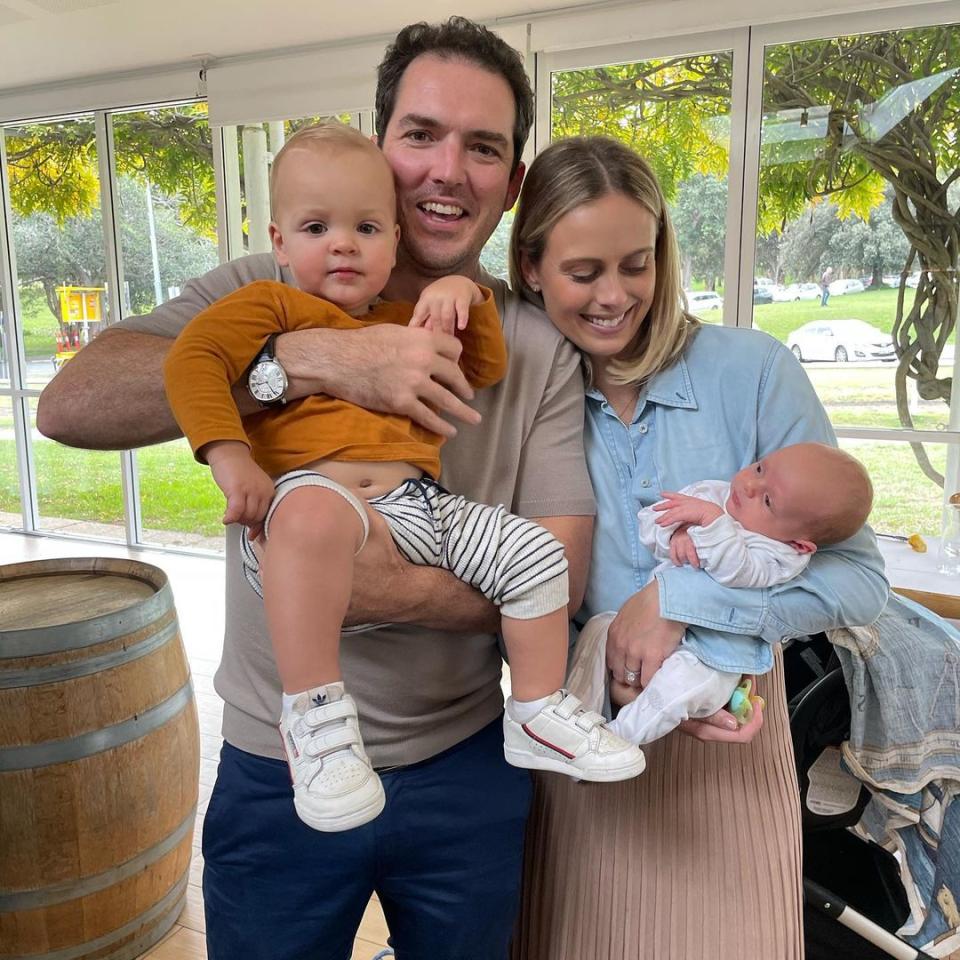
(418, 691)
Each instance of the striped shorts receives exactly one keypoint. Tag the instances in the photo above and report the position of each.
(513, 562)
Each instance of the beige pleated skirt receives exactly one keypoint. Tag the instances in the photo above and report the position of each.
(696, 859)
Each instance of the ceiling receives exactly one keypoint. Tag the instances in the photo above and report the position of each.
(42, 41)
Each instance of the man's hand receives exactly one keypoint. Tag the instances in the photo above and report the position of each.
(246, 486)
(682, 548)
(444, 305)
(639, 639)
(385, 367)
(692, 511)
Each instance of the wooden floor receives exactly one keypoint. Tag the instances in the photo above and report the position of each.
(197, 589)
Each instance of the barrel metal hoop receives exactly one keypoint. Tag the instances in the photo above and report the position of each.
(58, 672)
(86, 633)
(74, 889)
(170, 900)
(96, 741)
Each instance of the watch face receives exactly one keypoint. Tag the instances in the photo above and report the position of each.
(267, 381)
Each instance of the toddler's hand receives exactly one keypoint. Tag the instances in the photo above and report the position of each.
(248, 489)
(445, 304)
(679, 508)
(682, 548)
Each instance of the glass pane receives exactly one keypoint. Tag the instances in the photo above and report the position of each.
(906, 500)
(676, 113)
(79, 491)
(257, 143)
(58, 240)
(495, 256)
(10, 515)
(166, 207)
(858, 200)
(181, 505)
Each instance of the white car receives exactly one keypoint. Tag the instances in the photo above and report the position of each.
(839, 287)
(699, 300)
(797, 291)
(840, 340)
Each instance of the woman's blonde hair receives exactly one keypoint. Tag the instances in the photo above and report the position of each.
(579, 170)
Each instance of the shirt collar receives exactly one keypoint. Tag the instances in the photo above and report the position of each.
(670, 388)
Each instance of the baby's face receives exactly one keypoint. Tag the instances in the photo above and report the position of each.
(779, 494)
(336, 224)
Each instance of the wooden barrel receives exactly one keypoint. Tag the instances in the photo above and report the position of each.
(99, 760)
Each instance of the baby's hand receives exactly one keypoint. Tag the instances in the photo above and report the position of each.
(445, 304)
(248, 489)
(683, 549)
(679, 508)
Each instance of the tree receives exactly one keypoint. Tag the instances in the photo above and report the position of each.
(52, 253)
(843, 118)
(52, 166)
(700, 216)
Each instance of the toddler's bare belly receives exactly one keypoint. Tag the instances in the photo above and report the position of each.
(365, 479)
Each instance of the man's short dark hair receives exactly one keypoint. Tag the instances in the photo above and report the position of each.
(456, 39)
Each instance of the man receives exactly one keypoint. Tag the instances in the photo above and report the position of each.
(825, 279)
(453, 109)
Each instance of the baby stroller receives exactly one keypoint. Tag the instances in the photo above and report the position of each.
(846, 878)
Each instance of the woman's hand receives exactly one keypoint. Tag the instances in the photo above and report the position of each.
(639, 639)
(722, 726)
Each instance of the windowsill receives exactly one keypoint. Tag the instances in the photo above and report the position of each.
(917, 571)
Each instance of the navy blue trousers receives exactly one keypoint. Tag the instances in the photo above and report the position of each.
(444, 859)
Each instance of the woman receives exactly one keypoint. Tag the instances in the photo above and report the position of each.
(700, 856)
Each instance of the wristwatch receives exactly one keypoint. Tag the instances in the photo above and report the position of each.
(266, 379)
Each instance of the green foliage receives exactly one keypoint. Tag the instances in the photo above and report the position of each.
(700, 218)
(53, 166)
(52, 252)
(648, 105)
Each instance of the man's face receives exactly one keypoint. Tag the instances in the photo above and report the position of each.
(450, 144)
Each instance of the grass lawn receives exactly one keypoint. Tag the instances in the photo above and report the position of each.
(176, 492)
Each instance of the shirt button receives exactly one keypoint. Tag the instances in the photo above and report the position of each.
(644, 483)
(643, 428)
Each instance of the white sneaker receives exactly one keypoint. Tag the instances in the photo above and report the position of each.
(565, 738)
(334, 786)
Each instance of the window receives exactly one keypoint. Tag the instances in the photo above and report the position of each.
(166, 229)
(674, 108)
(858, 193)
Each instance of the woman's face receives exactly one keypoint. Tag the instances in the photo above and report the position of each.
(598, 274)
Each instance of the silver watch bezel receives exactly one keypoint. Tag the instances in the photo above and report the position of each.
(259, 368)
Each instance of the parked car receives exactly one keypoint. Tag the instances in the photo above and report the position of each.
(840, 340)
(703, 300)
(761, 293)
(852, 285)
(797, 291)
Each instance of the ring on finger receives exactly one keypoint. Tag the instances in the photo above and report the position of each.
(630, 676)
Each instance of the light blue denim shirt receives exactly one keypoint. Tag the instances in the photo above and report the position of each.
(733, 397)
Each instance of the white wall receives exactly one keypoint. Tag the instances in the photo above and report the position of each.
(96, 37)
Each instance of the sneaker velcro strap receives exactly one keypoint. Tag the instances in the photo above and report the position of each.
(568, 706)
(320, 745)
(588, 720)
(335, 710)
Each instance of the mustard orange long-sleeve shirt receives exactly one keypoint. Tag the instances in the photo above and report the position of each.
(217, 346)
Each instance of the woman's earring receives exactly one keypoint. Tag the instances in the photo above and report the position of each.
(535, 287)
